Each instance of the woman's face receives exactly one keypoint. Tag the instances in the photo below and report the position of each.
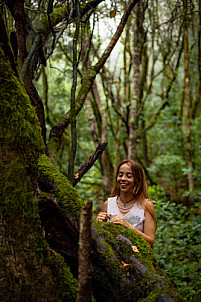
(125, 178)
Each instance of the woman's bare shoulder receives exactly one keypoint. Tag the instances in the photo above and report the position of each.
(149, 205)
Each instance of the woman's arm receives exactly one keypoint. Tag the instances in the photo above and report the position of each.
(103, 216)
(149, 225)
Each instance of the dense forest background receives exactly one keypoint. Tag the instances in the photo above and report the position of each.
(147, 95)
(144, 103)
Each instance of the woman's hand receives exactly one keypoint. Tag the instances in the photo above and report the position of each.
(121, 220)
(102, 216)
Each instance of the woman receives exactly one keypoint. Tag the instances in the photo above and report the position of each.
(130, 205)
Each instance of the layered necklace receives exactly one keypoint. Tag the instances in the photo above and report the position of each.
(125, 203)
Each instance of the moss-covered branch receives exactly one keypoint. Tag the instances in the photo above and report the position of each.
(54, 182)
(61, 13)
(45, 28)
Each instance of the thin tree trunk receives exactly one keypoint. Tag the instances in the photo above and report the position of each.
(73, 91)
(135, 100)
(187, 99)
(85, 269)
(45, 91)
(198, 98)
(144, 145)
(91, 120)
(143, 84)
(104, 160)
(118, 132)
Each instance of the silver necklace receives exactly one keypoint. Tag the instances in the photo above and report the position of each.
(125, 203)
(125, 209)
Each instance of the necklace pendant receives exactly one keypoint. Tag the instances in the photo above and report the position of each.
(124, 205)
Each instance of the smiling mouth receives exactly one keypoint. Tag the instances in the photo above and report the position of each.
(123, 185)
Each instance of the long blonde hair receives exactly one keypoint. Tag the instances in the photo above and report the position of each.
(140, 184)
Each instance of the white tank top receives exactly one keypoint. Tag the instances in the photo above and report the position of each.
(135, 216)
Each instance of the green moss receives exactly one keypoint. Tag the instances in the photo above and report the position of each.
(107, 255)
(56, 17)
(158, 294)
(53, 144)
(87, 82)
(67, 197)
(113, 231)
(152, 280)
(22, 145)
(29, 266)
(64, 282)
(20, 130)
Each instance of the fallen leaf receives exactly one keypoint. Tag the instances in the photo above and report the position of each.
(135, 249)
(126, 266)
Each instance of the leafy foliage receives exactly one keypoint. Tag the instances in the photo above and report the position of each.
(178, 243)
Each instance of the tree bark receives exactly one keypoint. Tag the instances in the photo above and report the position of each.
(136, 97)
(73, 91)
(198, 98)
(85, 269)
(187, 98)
(91, 119)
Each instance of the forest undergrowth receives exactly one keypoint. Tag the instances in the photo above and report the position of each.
(177, 244)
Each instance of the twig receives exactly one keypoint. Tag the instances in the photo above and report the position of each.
(30, 55)
(89, 163)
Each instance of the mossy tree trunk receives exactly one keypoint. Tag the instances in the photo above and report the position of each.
(28, 268)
